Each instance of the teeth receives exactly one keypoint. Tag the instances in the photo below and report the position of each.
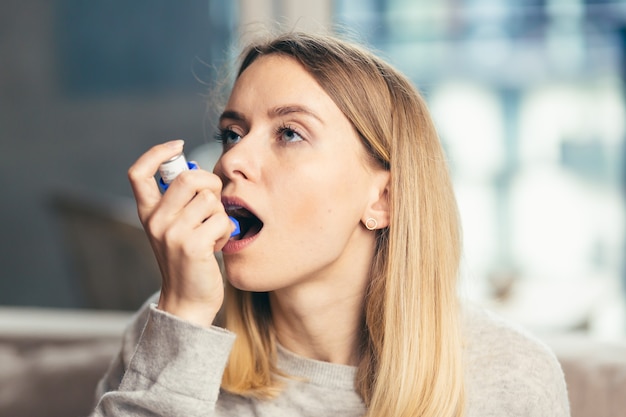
(238, 212)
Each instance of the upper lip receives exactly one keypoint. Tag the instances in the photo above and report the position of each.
(232, 203)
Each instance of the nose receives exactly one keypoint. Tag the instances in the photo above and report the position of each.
(241, 160)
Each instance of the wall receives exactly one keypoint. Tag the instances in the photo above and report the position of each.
(60, 132)
(51, 140)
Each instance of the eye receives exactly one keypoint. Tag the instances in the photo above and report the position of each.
(288, 134)
(227, 137)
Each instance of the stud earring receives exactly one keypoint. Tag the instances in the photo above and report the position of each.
(371, 223)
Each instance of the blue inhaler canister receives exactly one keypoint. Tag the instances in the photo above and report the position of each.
(170, 169)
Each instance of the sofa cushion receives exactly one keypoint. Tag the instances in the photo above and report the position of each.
(52, 378)
(595, 373)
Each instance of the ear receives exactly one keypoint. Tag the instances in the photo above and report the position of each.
(378, 205)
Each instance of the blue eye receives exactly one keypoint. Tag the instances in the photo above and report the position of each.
(227, 137)
(288, 134)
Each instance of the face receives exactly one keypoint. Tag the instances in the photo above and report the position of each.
(295, 175)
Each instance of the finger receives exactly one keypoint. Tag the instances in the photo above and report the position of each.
(202, 206)
(199, 228)
(205, 214)
(141, 174)
(216, 229)
(186, 187)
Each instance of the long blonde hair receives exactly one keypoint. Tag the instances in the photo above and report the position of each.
(411, 358)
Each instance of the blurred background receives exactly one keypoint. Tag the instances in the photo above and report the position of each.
(528, 97)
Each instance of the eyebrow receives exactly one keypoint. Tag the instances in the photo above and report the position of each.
(234, 115)
(276, 111)
(285, 110)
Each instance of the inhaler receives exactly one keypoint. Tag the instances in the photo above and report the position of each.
(170, 169)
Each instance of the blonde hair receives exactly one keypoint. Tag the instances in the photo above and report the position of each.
(411, 358)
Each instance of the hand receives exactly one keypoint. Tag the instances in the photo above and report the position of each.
(185, 226)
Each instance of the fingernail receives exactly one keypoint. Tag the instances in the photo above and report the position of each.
(178, 143)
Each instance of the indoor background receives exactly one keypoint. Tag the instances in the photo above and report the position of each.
(528, 97)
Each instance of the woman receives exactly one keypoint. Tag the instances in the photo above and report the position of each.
(340, 291)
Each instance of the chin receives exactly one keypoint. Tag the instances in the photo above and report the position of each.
(249, 283)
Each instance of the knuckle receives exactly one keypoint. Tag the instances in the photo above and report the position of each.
(153, 227)
(188, 249)
(206, 196)
(185, 178)
(215, 183)
(132, 173)
(170, 237)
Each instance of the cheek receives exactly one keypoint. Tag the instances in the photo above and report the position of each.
(319, 195)
(308, 204)
(318, 206)
(302, 203)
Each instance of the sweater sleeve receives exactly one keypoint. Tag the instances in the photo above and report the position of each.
(166, 367)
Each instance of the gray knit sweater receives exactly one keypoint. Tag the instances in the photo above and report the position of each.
(168, 367)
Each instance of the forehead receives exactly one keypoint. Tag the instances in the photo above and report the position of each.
(280, 77)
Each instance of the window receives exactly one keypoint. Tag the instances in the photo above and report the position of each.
(528, 99)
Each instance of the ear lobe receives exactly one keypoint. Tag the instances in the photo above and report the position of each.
(378, 208)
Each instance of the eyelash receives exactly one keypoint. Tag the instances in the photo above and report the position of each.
(221, 135)
(287, 128)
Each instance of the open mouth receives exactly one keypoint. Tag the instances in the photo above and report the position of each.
(249, 224)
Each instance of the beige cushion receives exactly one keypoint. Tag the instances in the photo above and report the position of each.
(595, 373)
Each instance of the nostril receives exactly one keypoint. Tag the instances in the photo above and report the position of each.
(240, 173)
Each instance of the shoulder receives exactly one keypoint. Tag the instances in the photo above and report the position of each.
(509, 371)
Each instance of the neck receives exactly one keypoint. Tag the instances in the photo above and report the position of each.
(314, 322)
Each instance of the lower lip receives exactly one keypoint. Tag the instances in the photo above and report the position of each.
(234, 246)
